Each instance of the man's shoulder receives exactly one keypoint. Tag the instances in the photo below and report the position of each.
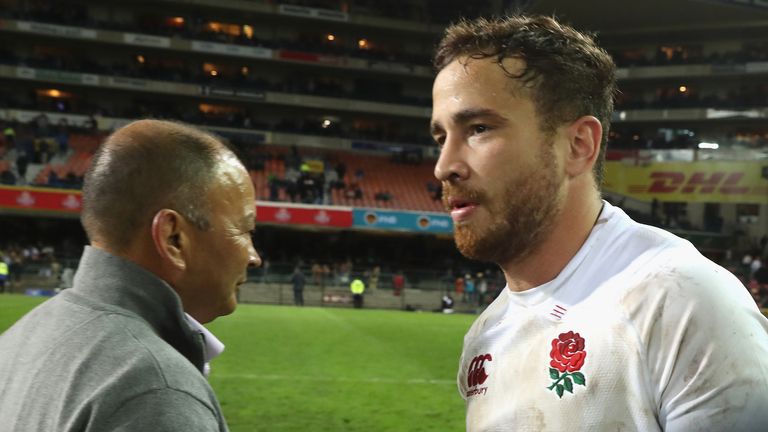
(150, 360)
(679, 286)
(99, 359)
(102, 339)
(643, 267)
(628, 241)
(634, 254)
(684, 270)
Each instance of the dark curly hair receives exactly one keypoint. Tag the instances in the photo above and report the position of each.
(567, 73)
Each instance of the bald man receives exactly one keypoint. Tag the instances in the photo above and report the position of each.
(168, 210)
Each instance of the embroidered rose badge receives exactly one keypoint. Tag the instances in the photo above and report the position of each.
(568, 357)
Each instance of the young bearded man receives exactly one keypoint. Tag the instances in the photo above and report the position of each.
(605, 324)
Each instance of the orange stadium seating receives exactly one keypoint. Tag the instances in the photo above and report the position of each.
(83, 146)
(405, 183)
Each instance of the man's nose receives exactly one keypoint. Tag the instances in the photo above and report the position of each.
(451, 165)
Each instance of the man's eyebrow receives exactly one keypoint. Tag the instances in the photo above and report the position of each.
(466, 115)
(249, 221)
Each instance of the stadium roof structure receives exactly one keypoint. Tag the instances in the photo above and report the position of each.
(612, 17)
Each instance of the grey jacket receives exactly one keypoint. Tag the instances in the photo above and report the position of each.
(114, 353)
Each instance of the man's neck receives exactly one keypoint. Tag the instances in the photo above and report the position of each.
(563, 242)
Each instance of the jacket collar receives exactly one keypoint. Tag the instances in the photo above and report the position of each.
(108, 281)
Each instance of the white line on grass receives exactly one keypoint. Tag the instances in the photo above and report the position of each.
(333, 379)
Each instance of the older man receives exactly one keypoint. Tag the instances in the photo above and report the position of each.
(168, 210)
(605, 324)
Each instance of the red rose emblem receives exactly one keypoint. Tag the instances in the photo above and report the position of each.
(568, 352)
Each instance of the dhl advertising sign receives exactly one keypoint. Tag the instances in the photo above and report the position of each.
(735, 182)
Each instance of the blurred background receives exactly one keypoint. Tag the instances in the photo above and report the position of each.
(328, 104)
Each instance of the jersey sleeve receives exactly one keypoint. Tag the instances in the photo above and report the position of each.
(164, 410)
(706, 344)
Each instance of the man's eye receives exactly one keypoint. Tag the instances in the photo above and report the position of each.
(479, 129)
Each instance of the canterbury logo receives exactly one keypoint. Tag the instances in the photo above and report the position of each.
(476, 374)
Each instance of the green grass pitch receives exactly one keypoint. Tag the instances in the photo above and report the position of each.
(329, 369)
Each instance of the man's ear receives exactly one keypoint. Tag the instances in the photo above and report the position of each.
(168, 237)
(585, 135)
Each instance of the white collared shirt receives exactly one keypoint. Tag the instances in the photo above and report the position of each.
(213, 346)
(638, 332)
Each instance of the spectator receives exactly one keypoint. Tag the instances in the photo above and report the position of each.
(341, 171)
(482, 289)
(459, 289)
(469, 289)
(383, 196)
(292, 176)
(3, 275)
(373, 279)
(758, 286)
(398, 283)
(298, 280)
(354, 192)
(274, 187)
(357, 287)
(755, 264)
(446, 304)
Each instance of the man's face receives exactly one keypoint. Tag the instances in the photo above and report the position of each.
(501, 175)
(221, 255)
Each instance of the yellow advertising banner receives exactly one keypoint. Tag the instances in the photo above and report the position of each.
(707, 181)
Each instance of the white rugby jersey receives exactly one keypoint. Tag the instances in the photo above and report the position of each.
(639, 332)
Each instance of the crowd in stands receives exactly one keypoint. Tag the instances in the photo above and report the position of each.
(425, 12)
(308, 181)
(755, 268)
(620, 138)
(673, 56)
(747, 96)
(21, 260)
(309, 176)
(237, 117)
(435, 12)
(329, 177)
(393, 263)
(624, 139)
(198, 27)
(328, 258)
(39, 142)
(162, 68)
(165, 69)
(280, 174)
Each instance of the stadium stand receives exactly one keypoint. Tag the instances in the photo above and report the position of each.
(348, 83)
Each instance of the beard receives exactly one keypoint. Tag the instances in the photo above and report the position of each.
(520, 218)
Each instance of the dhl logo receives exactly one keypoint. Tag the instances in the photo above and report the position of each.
(698, 182)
